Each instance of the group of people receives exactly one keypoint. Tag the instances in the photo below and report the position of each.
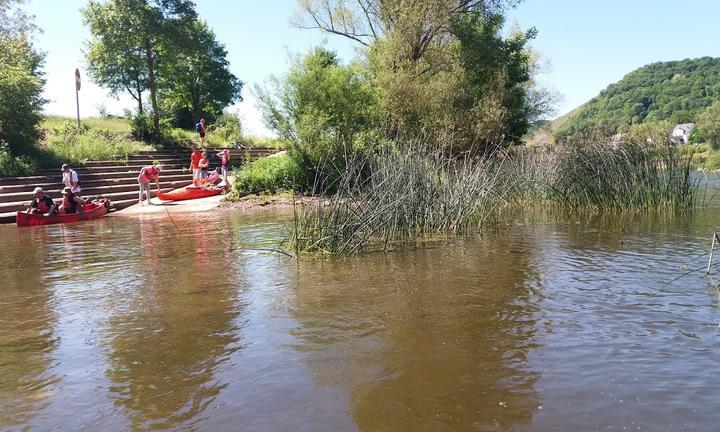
(71, 201)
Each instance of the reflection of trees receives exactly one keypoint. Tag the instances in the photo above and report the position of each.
(26, 327)
(425, 340)
(176, 329)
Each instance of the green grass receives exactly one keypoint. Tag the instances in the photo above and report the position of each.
(97, 139)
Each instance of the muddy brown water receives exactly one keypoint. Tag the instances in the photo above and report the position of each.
(548, 323)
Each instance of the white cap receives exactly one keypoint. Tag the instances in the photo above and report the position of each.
(37, 190)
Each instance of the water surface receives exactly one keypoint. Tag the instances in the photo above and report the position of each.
(547, 323)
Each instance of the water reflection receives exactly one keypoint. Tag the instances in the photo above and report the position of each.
(177, 326)
(27, 322)
(426, 340)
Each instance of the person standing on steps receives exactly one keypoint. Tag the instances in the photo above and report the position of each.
(70, 179)
(148, 174)
(195, 157)
(200, 129)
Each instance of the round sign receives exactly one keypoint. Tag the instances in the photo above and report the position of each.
(77, 80)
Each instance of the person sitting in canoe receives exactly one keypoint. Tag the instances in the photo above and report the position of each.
(41, 203)
(148, 174)
(71, 203)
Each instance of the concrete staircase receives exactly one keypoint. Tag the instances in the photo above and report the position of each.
(113, 179)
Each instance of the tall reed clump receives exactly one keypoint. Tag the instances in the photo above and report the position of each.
(602, 173)
(400, 194)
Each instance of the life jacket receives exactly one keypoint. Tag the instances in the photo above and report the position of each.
(150, 173)
(42, 205)
(225, 160)
(69, 203)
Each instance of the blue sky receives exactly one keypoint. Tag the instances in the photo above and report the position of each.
(589, 44)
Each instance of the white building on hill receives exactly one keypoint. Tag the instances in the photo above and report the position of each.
(681, 133)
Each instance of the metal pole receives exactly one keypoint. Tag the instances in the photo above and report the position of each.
(77, 102)
(712, 250)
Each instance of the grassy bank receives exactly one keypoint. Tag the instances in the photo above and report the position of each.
(97, 139)
(103, 139)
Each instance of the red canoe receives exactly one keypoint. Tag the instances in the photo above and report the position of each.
(93, 210)
(188, 192)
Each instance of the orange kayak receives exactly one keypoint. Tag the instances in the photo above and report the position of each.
(93, 210)
(188, 192)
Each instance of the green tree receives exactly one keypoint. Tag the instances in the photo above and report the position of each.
(442, 66)
(708, 125)
(198, 83)
(151, 30)
(322, 108)
(116, 59)
(21, 81)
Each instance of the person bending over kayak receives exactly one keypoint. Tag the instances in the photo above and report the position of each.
(195, 157)
(41, 203)
(71, 203)
(148, 174)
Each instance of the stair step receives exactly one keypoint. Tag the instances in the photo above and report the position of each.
(84, 178)
(51, 185)
(55, 191)
(113, 196)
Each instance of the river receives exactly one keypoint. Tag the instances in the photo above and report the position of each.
(546, 323)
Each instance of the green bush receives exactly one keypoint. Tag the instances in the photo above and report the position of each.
(269, 175)
(21, 86)
(141, 126)
(14, 165)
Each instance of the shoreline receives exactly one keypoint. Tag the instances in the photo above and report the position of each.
(275, 201)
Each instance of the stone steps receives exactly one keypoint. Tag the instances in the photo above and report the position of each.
(114, 179)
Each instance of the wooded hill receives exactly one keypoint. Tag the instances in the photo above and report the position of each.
(675, 91)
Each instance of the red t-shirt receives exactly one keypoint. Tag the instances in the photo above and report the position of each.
(195, 159)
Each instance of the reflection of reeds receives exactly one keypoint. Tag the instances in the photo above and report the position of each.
(405, 192)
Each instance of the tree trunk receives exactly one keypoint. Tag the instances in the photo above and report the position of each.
(139, 100)
(153, 88)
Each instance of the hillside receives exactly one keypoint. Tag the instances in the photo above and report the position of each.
(676, 91)
(545, 135)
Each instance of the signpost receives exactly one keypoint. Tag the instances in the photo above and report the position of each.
(77, 97)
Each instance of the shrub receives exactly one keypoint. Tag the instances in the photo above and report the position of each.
(141, 126)
(225, 131)
(14, 165)
(21, 86)
(269, 175)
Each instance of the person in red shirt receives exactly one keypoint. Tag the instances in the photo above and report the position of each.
(148, 174)
(195, 157)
